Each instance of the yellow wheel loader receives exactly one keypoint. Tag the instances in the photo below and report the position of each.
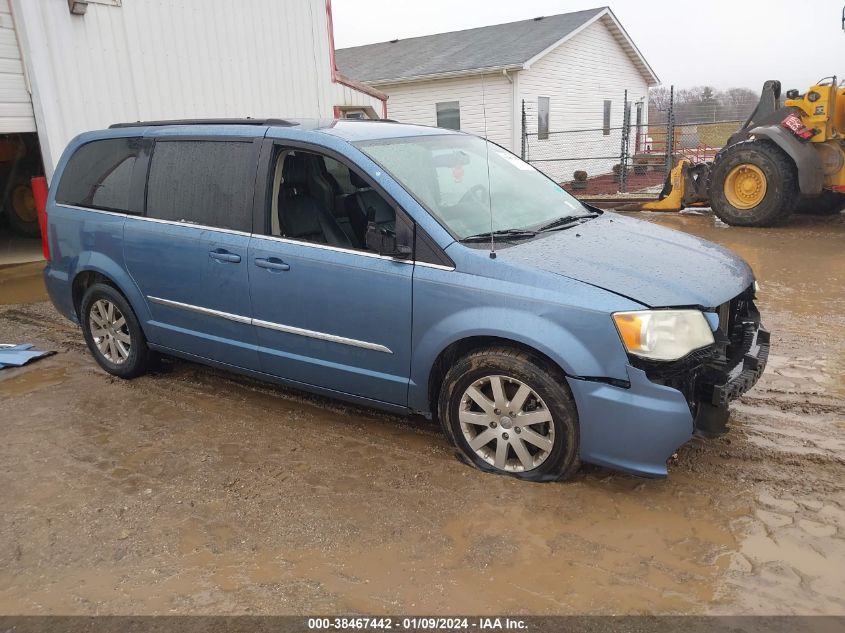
(784, 159)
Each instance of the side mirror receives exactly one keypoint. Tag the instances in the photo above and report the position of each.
(384, 242)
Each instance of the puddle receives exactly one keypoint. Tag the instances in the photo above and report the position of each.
(30, 379)
(800, 266)
(22, 283)
(801, 270)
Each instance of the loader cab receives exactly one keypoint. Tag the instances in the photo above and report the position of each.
(822, 108)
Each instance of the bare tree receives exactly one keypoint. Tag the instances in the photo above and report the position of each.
(702, 104)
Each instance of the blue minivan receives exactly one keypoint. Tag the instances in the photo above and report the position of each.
(410, 268)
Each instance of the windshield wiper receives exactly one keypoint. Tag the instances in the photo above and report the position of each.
(565, 222)
(509, 233)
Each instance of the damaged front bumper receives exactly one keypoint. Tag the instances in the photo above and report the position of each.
(638, 428)
(711, 419)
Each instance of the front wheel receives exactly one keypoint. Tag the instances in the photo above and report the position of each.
(113, 333)
(509, 412)
(753, 183)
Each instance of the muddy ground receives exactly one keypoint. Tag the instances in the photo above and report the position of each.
(194, 491)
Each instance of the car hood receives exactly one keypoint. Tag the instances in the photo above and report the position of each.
(650, 264)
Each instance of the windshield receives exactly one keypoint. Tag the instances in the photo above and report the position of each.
(448, 174)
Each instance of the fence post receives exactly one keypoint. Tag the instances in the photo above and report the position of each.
(623, 156)
(522, 154)
(670, 130)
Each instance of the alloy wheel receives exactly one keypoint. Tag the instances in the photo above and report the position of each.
(110, 331)
(506, 423)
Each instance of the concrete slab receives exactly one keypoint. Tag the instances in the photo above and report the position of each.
(16, 249)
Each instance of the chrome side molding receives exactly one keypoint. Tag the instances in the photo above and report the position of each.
(200, 310)
(288, 329)
(322, 336)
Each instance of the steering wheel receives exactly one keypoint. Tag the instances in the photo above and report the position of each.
(476, 193)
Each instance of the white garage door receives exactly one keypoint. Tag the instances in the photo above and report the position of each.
(15, 101)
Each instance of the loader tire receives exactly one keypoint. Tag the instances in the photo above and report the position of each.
(19, 208)
(828, 203)
(753, 183)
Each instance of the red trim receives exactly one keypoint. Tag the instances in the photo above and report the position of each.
(357, 85)
(346, 81)
(330, 24)
(39, 192)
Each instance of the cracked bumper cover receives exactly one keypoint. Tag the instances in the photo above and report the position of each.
(639, 428)
(635, 429)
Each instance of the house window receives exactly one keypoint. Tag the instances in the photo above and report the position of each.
(606, 124)
(354, 112)
(542, 117)
(449, 114)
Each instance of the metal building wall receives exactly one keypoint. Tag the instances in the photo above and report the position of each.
(163, 59)
(15, 106)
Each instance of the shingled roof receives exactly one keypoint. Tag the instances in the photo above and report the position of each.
(508, 46)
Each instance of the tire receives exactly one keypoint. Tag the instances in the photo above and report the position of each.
(552, 452)
(828, 203)
(120, 346)
(777, 192)
(20, 211)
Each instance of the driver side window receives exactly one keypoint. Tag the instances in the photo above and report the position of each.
(318, 199)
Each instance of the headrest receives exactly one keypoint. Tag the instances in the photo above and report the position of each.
(295, 171)
(357, 181)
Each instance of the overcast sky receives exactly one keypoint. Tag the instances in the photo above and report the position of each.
(722, 43)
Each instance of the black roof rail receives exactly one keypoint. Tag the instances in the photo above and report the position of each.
(278, 122)
(375, 120)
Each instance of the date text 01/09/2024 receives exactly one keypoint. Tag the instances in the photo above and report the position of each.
(416, 623)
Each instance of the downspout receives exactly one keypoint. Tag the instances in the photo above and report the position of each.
(516, 119)
(344, 81)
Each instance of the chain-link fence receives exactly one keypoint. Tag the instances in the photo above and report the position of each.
(634, 156)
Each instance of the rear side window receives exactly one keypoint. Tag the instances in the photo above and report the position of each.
(202, 182)
(99, 175)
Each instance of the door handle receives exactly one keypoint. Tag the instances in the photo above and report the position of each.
(271, 263)
(221, 255)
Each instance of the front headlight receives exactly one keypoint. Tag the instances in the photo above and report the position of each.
(663, 334)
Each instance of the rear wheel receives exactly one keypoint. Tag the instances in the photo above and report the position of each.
(509, 413)
(828, 203)
(753, 183)
(113, 333)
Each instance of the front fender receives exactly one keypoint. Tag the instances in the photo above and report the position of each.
(598, 353)
(807, 160)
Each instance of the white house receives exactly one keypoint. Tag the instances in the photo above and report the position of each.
(67, 66)
(571, 71)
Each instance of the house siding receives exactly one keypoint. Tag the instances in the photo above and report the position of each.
(578, 77)
(346, 96)
(415, 103)
(171, 59)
